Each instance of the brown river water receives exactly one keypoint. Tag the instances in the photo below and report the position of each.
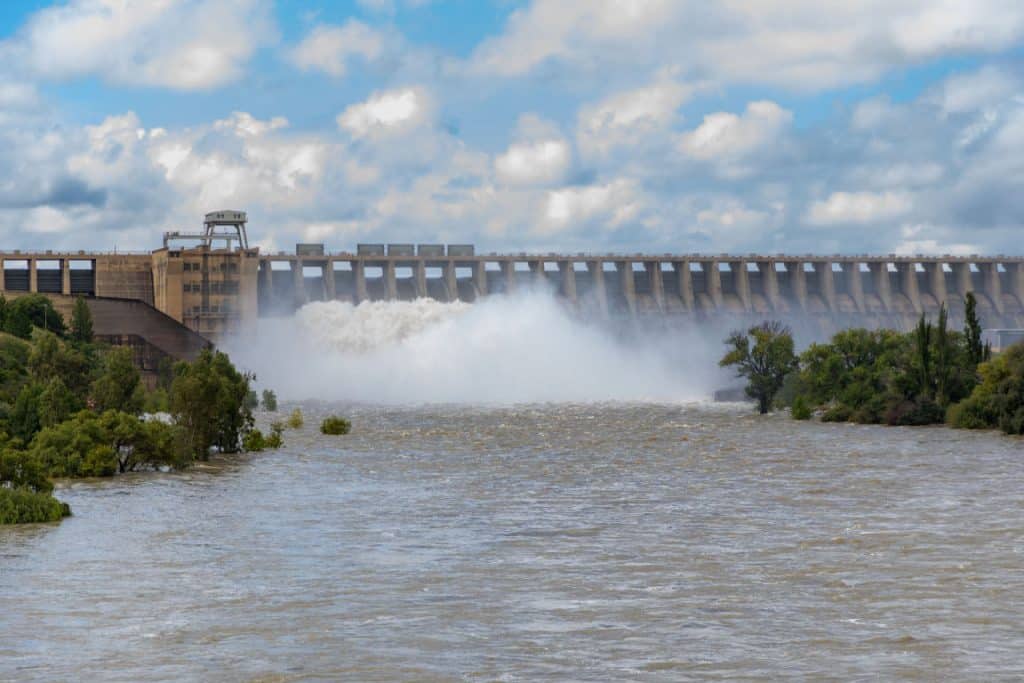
(551, 542)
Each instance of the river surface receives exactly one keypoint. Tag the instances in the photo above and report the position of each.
(554, 542)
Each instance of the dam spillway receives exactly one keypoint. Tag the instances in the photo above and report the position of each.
(217, 292)
(870, 291)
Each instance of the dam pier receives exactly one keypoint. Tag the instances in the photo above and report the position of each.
(177, 299)
(630, 286)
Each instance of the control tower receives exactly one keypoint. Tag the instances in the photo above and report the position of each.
(226, 225)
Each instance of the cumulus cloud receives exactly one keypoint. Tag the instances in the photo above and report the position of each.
(611, 205)
(794, 43)
(387, 112)
(554, 29)
(180, 44)
(627, 118)
(329, 48)
(544, 162)
(728, 140)
(859, 207)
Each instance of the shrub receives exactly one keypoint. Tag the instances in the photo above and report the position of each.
(22, 506)
(998, 401)
(275, 440)
(253, 441)
(295, 420)
(800, 409)
(335, 425)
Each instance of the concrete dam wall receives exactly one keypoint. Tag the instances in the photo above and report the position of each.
(820, 293)
(221, 292)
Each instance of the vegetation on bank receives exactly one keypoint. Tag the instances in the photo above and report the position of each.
(929, 376)
(72, 407)
(764, 356)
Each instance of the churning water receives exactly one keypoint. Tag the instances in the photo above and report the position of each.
(597, 542)
(504, 350)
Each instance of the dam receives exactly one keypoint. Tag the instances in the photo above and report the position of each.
(218, 285)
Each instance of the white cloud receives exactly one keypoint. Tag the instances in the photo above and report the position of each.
(728, 140)
(16, 96)
(610, 205)
(978, 90)
(329, 48)
(387, 112)
(920, 238)
(244, 124)
(180, 44)
(843, 208)
(554, 28)
(537, 163)
(802, 44)
(626, 118)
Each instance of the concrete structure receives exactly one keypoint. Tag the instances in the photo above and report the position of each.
(216, 292)
(153, 336)
(865, 290)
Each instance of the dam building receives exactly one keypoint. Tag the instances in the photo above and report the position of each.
(201, 287)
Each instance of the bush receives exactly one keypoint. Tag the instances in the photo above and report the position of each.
(253, 441)
(998, 401)
(295, 420)
(800, 409)
(22, 506)
(335, 426)
(275, 440)
(914, 414)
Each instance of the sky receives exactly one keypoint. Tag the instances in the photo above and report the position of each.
(683, 126)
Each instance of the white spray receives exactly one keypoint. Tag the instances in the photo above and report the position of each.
(505, 349)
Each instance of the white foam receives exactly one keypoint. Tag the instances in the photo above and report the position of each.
(505, 349)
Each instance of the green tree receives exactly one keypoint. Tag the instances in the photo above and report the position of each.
(50, 357)
(18, 469)
(972, 329)
(56, 403)
(119, 386)
(923, 354)
(764, 356)
(944, 359)
(269, 401)
(998, 401)
(208, 400)
(18, 323)
(81, 322)
(78, 447)
(23, 421)
(40, 313)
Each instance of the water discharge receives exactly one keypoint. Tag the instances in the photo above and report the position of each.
(506, 349)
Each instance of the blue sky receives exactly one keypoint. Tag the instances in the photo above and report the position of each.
(608, 125)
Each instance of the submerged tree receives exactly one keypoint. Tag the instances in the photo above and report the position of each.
(269, 401)
(764, 356)
(208, 399)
